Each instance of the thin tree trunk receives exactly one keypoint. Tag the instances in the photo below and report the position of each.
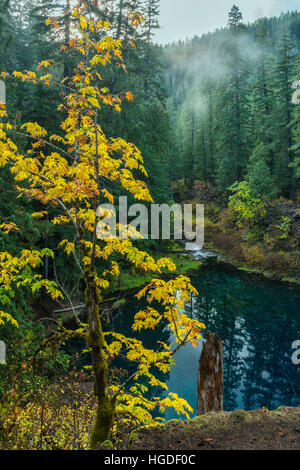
(95, 341)
(290, 137)
(192, 148)
(211, 141)
(204, 156)
(67, 71)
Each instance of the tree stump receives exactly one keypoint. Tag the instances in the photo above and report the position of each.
(210, 376)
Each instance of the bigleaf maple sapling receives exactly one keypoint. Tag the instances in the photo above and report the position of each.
(72, 173)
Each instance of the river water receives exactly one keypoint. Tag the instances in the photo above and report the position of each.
(258, 321)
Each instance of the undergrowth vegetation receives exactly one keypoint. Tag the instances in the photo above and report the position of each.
(260, 245)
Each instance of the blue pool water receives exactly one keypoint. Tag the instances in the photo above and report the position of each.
(258, 321)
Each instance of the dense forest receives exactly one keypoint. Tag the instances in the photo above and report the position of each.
(217, 108)
(230, 104)
(216, 121)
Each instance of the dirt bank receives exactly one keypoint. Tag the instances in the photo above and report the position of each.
(260, 429)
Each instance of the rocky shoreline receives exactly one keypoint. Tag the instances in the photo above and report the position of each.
(207, 254)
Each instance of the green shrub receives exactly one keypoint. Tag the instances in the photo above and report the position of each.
(230, 245)
(249, 209)
(285, 227)
(281, 262)
(211, 229)
(253, 255)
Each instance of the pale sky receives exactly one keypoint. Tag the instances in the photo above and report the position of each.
(181, 19)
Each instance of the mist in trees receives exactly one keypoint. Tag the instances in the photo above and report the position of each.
(216, 108)
(230, 98)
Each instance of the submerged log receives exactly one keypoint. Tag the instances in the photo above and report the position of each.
(210, 376)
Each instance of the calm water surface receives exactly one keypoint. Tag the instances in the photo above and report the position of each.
(257, 319)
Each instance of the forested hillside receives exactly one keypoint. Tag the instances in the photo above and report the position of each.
(217, 108)
(230, 104)
(26, 40)
(95, 109)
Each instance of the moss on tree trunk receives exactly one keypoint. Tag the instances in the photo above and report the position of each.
(95, 341)
(104, 421)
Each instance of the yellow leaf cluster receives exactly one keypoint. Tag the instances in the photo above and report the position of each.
(72, 175)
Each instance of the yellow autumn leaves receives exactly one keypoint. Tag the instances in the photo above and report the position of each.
(17, 272)
(172, 295)
(72, 174)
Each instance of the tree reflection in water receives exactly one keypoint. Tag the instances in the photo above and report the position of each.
(257, 319)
